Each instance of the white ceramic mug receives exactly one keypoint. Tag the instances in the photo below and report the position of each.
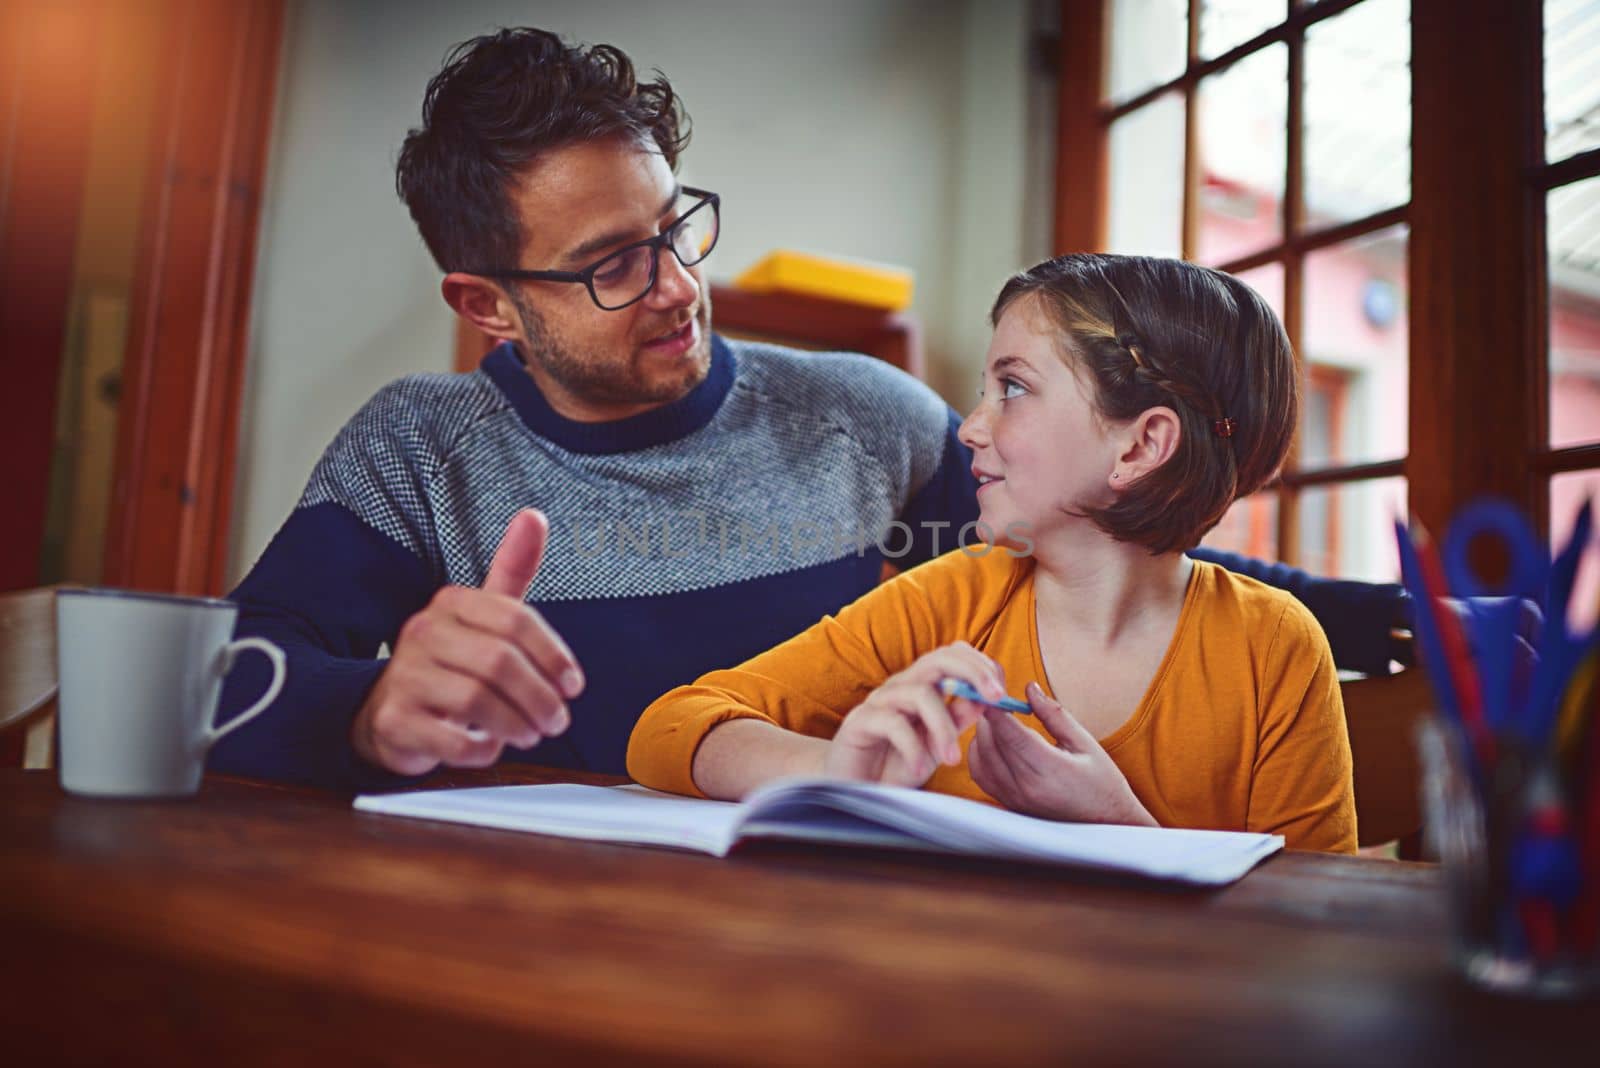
(140, 677)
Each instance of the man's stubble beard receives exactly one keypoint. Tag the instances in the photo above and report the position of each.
(596, 380)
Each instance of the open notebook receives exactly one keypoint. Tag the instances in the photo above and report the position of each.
(824, 810)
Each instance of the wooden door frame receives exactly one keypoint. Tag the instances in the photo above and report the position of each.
(1082, 156)
(188, 335)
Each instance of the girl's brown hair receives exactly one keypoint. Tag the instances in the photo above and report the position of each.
(1153, 332)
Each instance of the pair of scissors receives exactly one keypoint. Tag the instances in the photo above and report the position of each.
(1493, 613)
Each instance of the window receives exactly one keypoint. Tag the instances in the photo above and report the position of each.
(1415, 185)
(1567, 187)
(1274, 143)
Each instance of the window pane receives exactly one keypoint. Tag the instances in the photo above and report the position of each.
(1571, 77)
(1573, 240)
(1249, 527)
(1358, 112)
(1354, 348)
(1347, 529)
(1147, 180)
(1567, 494)
(1242, 117)
(1226, 23)
(1149, 45)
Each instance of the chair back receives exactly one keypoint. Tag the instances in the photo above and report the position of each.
(1382, 713)
(27, 676)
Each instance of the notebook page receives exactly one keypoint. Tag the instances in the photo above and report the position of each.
(599, 813)
(805, 822)
(1200, 857)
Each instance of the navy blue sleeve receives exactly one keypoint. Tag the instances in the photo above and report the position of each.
(328, 590)
(938, 511)
(1356, 616)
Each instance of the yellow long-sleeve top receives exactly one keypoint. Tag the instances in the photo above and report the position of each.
(1241, 728)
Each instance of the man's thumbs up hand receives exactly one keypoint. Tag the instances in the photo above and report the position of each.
(474, 671)
(517, 560)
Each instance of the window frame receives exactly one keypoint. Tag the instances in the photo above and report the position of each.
(1476, 266)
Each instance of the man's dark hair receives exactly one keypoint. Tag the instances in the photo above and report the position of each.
(501, 100)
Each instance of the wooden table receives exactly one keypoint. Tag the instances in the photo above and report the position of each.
(259, 924)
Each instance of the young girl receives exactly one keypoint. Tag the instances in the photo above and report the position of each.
(1126, 403)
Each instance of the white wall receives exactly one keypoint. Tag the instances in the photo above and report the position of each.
(890, 130)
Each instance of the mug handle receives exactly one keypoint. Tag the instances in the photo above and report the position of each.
(280, 672)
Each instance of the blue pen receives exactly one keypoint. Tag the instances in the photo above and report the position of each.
(952, 687)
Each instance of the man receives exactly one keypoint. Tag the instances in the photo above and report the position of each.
(701, 500)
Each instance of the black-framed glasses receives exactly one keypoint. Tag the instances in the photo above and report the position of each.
(628, 274)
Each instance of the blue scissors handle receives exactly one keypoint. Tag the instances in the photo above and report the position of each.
(1493, 612)
(1501, 519)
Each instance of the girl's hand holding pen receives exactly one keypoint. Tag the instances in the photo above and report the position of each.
(904, 729)
(1073, 780)
(956, 688)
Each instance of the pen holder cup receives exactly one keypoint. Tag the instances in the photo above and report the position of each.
(1504, 938)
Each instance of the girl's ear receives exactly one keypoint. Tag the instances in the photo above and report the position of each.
(1148, 442)
(483, 304)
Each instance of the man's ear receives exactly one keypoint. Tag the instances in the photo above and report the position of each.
(483, 304)
(1148, 442)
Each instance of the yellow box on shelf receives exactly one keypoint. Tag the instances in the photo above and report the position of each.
(807, 274)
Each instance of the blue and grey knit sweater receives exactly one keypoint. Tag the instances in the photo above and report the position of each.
(685, 539)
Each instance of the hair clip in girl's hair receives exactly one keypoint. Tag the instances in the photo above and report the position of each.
(1224, 428)
(1130, 342)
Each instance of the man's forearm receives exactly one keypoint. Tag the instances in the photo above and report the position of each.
(328, 591)
(305, 736)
